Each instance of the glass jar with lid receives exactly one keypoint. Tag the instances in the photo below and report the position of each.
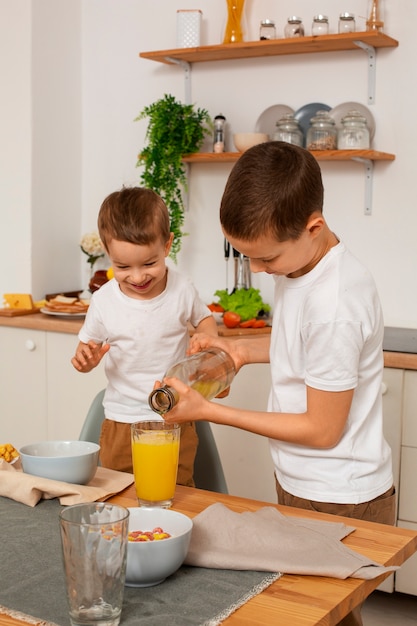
(288, 129)
(320, 25)
(347, 23)
(322, 134)
(354, 133)
(294, 27)
(267, 30)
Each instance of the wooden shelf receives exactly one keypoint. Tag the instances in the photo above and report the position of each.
(320, 155)
(275, 47)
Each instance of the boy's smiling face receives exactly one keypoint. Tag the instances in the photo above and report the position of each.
(140, 270)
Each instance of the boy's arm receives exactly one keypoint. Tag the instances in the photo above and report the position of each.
(208, 326)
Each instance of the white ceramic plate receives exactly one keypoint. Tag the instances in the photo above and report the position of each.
(266, 122)
(306, 112)
(339, 111)
(61, 314)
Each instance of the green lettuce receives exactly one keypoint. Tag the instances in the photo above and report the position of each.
(245, 302)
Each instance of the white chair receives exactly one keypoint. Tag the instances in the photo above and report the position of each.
(208, 470)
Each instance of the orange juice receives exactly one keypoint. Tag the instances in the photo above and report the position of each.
(155, 464)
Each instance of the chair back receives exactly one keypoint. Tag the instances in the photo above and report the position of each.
(208, 470)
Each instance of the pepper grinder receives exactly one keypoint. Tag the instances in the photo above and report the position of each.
(219, 141)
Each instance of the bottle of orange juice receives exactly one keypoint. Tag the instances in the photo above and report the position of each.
(209, 372)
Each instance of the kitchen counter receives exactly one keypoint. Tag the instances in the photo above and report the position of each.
(392, 358)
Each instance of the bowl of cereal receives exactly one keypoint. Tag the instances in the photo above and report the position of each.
(157, 546)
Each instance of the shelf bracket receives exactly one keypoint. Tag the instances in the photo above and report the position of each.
(370, 51)
(187, 77)
(369, 174)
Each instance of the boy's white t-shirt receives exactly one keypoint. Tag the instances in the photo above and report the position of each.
(146, 337)
(327, 333)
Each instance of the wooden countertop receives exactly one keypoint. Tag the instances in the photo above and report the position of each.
(41, 321)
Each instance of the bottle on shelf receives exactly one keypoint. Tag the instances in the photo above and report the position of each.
(219, 144)
(320, 25)
(347, 23)
(209, 372)
(354, 133)
(322, 134)
(294, 27)
(267, 30)
(375, 21)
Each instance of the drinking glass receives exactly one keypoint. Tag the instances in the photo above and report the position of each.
(155, 450)
(94, 548)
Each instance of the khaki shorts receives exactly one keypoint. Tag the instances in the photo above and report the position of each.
(116, 450)
(382, 509)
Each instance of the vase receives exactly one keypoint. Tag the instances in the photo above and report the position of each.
(375, 21)
(235, 26)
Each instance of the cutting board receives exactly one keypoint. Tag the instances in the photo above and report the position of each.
(7, 312)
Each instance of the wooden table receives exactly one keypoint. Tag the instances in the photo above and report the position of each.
(296, 600)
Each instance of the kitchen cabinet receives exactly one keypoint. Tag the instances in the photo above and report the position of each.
(42, 395)
(365, 41)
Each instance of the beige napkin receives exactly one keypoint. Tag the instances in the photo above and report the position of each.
(28, 489)
(266, 540)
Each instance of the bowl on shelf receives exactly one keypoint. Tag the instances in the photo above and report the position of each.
(67, 461)
(150, 562)
(244, 141)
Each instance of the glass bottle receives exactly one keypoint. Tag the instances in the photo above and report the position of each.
(267, 30)
(322, 134)
(209, 372)
(320, 25)
(234, 31)
(218, 140)
(288, 129)
(294, 27)
(346, 23)
(354, 134)
(375, 20)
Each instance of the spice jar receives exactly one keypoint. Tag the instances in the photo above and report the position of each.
(209, 372)
(346, 23)
(267, 30)
(294, 27)
(322, 134)
(288, 129)
(320, 25)
(354, 134)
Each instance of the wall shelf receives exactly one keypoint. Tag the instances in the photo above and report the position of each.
(270, 48)
(321, 155)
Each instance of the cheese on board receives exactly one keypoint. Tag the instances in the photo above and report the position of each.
(18, 300)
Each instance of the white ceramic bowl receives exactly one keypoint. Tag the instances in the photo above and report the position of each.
(68, 461)
(150, 562)
(243, 141)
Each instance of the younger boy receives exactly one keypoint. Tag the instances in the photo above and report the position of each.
(140, 320)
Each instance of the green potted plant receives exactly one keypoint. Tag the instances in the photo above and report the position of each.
(174, 129)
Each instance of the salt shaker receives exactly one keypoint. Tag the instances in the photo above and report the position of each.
(209, 372)
(320, 25)
(294, 27)
(346, 23)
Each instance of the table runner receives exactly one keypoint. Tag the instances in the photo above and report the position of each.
(32, 578)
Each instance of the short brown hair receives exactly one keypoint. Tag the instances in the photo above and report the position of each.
(133, 214)
(273, 188)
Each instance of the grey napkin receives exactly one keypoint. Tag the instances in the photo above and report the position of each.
(266, 540)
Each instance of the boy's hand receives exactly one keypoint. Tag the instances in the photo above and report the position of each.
(89, 355)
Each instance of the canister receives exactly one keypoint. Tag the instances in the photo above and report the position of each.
(288, 129)
(267, 30)
(322, 134)
(188, 28)
(320, 25)
(294, 27)
(347, 23)
(354, 133)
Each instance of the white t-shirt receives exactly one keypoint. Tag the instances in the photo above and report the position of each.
(327, 333)
(146, 337)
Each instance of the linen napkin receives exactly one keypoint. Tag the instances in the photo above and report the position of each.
(28, 489)
(266, 540)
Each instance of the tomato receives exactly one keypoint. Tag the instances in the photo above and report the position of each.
(231, 320)
(215, 308)
(248, 324)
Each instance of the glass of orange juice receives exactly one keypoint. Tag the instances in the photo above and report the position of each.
(155, 450)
